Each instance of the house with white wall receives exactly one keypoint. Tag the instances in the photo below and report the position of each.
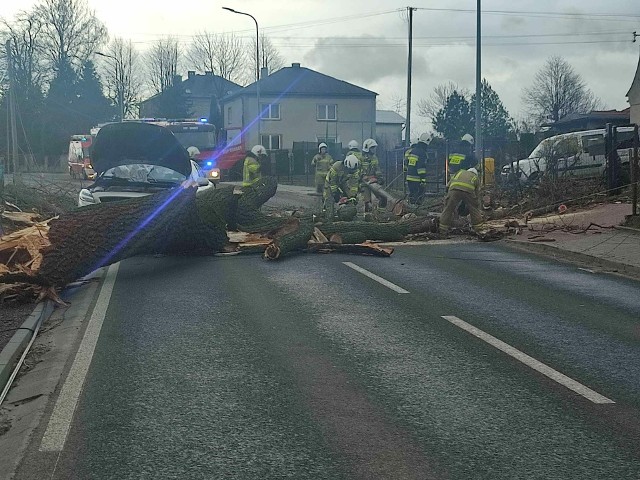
(299, 104)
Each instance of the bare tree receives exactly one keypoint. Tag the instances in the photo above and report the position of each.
(121, 75)
(558, 91)
(71, 32)
(269, 57)
(429, 107)
(163, 62)
(24, 35)
(222, 54)
(398, 103)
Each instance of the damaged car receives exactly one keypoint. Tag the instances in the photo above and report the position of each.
(136, 159)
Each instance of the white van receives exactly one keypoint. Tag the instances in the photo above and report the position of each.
(580, 154)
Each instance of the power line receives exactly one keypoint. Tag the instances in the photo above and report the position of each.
(525, 13)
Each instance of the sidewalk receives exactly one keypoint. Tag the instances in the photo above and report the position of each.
(591, 237)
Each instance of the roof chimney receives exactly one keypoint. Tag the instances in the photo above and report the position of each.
(264, 72)
(209, 73)
(295, 65)
(191, 74)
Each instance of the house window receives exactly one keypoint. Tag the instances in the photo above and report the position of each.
(229, 120)
(271, 142)
(270, 111)
(328, 112)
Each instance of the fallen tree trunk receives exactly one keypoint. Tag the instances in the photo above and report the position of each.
(172, 222)
(386, 232)
(293, 236)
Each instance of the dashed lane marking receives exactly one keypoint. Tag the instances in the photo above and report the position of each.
(562, 379)
(58, 428)
(375, 277)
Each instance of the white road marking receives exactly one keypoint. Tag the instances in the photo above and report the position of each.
(562, 379)
(375, 277)
(56, 434)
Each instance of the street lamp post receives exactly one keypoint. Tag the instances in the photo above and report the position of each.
(119, 86)
(257, 62)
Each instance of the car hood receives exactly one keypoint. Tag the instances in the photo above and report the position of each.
(132, 142)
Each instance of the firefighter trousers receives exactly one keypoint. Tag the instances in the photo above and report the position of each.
(451, 202)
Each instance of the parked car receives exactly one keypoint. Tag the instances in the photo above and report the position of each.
(138, 159)
(580, 154)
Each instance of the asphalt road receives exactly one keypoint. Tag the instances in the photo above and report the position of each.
(233, 367)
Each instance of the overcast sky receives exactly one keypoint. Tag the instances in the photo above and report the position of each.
(365, 42)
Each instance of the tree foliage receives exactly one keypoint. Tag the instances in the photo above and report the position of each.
(71, 32)
(457, 116)
(557, 91)
(496, 121)
(220, 53)
(270, 57)
(121, 68)
(163, 63)
(429, 107)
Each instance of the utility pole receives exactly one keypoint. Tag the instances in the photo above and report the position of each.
(407, 128)
(478, 140)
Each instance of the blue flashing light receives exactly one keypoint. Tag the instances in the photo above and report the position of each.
(203, 120)
(209, 164)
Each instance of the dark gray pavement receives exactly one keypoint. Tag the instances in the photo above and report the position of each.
(240, 368)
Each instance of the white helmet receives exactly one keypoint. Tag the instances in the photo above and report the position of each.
(413, 140)
(467, 138)
(258, 150)
(425, 138)
(193, 152)
(322, 145)
(353, 145)
(368, 144)
(473, 170)
(351, 162)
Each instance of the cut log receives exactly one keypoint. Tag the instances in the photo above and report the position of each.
(386, 232)
(294, 236)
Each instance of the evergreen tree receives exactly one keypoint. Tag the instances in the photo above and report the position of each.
(93, 106)
(455, 118)
(496, 121)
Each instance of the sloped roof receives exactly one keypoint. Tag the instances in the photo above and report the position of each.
(207, 85)
(302, 81)
(389, 116)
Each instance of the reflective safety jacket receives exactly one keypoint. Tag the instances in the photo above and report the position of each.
(322, 163)
(465, 181)
(370, 166)
(340, 183)
(251, 170)
(416, 164)
(357, 153)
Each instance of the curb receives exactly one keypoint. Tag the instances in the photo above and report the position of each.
(628, 229)
(14, 349)
(582, 259)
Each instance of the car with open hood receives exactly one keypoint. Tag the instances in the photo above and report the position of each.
(136, 159)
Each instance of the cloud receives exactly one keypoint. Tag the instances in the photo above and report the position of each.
(364, 59)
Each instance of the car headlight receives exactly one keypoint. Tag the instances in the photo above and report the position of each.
(214, 174)
(86, 197)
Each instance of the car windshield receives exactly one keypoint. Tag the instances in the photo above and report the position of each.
(543, 146)
(144, 173)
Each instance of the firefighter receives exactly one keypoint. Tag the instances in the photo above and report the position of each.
(342, 183)
(251, 172)
(322, 161)
(463, 188)
(370, 172)
(354, 149)
(416, 168)
(463, 158)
